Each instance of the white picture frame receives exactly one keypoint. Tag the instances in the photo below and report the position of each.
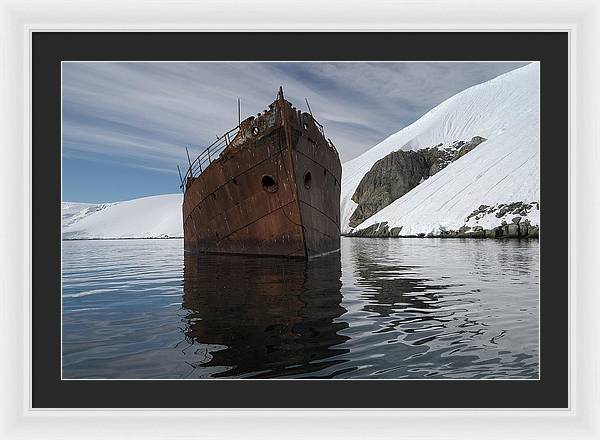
(17, 22)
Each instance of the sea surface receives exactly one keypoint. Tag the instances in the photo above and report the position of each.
(381, 309)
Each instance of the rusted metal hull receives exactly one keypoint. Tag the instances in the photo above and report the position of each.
(275, 190)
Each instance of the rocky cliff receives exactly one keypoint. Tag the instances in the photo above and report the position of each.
(400, 171)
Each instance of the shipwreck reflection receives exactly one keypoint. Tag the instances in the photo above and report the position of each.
(263, 316)
(426, 316)
(392, 288)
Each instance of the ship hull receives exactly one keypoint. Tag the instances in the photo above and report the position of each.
(272, 193)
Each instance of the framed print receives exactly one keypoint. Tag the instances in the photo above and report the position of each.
(256, 225)
(287, 260)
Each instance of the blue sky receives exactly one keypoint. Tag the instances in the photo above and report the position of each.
(126, 125)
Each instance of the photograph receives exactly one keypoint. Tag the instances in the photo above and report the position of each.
(294, 220)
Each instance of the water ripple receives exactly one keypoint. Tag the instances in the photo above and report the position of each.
(387, 308)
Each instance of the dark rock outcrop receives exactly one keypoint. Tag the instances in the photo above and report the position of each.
(377, 230)
(465, 147)
(519, 209)
(514, 230)
(437, 158)
(388, 179)
(400, 171)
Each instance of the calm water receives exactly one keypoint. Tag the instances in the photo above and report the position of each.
(385, 308)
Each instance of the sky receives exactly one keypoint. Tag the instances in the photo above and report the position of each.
(125, 126)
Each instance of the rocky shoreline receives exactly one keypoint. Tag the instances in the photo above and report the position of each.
(516, 229)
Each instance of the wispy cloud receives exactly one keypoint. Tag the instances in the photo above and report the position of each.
(145, 114)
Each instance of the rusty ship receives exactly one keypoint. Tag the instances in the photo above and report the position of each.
(270, 186)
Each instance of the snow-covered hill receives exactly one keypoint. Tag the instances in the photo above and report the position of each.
(75, 211)
(148, 217)
(501, 171)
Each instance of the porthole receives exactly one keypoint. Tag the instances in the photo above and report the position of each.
(307, 180)
(268, 183)
(255, 131)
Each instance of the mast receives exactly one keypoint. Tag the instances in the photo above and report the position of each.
(309, 110)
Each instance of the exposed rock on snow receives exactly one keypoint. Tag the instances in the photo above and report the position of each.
(502, 170)
(465, 147)
(389, 178)
(439, 157)
(515, 229)
(399, 172)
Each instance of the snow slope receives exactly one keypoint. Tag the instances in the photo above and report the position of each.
(503, 169)
(75, 211)
(148, 217)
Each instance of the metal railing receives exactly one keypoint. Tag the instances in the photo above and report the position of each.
(319, 126)
(212, 152)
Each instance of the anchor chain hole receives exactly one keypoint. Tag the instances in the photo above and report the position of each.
(268, 183)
